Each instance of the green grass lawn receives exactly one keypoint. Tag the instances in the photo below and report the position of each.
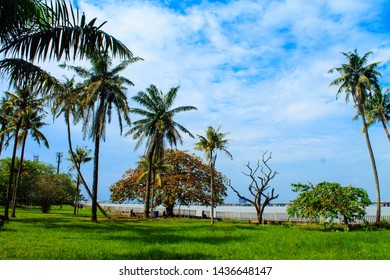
(61, 236)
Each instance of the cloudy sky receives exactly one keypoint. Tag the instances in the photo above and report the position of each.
(259, 69)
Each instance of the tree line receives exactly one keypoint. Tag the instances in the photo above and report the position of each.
(39, 184)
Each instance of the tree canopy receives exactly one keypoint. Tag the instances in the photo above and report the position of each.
(184, 180)
(39, 183)
(328, 201)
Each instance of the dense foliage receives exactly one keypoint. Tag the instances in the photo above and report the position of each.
(51, 189)
(182, 179)
(329, 201)
(36, 179)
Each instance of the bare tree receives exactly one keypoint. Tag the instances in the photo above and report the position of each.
(259, 185)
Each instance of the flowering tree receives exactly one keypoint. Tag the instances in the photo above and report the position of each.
(183, 179)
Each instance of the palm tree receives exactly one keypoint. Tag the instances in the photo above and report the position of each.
(103, 88)
(157, 127)
(358, 79)
(34, 30)
(213, 142)
(67, 101)
(31, 124)
(81, 155)
(378, 109)
(20, 103)
(5, 112)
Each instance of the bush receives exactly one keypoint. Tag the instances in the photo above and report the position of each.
(52, 189)
(326, 202)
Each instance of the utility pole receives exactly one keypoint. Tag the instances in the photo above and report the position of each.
(36, 158)
(59, 159)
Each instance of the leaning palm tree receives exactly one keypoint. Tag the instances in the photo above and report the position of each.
(103, 89)
(36, 30)
(67, 101)
(80, 156)
(157, 127)
(213, 142)
(358, 79)
(378, 109)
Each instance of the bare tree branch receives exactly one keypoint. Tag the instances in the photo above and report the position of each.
(259, 184)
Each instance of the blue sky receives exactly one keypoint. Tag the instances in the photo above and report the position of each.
(259, 69)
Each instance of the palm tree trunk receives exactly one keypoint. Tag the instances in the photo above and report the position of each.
(378, 196)
(152, 188)
(211, 189)
(384, 123)
(11, 173)
(76, 196)
(149, 183)
(95, 179)
(2, 138)
(78, 169)
(15, 190)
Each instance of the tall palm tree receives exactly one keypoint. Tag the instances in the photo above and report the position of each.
(378, 109)
(80, 156)
(213, 142)
(31, 124)
(103, 89)
(19, 103)
(68, 101)
(157, 127)
(35, 30)
(358, 79)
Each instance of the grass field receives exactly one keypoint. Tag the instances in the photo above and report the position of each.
(61, 236)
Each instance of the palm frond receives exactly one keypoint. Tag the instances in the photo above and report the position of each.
(23, 73)
(67, 35)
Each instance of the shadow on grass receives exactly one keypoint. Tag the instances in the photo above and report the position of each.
(158, 254)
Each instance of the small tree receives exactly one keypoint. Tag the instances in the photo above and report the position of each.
(77, 158)
(328, 201)
(51, 189)
(259, 185)
(213, 142)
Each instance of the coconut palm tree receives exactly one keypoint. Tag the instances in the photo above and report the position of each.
(358, 79)
(157, 127)
(378, 109)
(31, 124)
(103, 89)
(20, 103)
(35, 30)
(213, 142)
(68, 102)
(80, 156)
(5, 112)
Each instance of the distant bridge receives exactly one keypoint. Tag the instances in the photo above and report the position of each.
(285, 204)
